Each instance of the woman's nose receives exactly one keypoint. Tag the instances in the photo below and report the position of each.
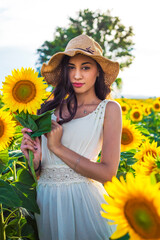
(78, 74)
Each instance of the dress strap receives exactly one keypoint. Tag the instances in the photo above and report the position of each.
(100, 111)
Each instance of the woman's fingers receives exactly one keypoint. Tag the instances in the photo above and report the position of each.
(26, 136)
(27, 145)
(28, 142)
(26, 130)
(24, 149)
(54, 125)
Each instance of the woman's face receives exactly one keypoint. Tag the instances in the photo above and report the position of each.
(83, 72)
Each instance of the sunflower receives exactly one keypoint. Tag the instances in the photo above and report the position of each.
(149, 165)
(131, 137)
(134, 206)
(7, 129)
(125, 107)
(24, 89)
(49, 96)
(136, 114)
(147, 110)
(146, 149)
(156, 106)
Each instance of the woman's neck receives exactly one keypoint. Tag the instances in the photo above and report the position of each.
(84, 99)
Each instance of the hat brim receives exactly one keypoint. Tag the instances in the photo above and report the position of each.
(110, 68)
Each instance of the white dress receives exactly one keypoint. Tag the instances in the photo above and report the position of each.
(69, 203)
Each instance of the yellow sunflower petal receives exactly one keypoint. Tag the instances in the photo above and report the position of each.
(7, 129)
(120, 232)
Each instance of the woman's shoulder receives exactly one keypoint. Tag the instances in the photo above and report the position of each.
(113, 103)
(113, 107)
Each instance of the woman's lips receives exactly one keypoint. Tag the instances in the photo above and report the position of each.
(78, 84)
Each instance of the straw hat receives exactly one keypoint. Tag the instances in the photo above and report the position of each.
(87, 46)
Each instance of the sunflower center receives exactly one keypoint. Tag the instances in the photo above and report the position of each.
(157, 106)
(124, 108)
(127, 137)
(24, 91)
(1, 128)
(143, 218)
(136, 115)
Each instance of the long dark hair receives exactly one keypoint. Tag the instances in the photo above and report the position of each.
(64, 87)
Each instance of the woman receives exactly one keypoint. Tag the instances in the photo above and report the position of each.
(70, 185)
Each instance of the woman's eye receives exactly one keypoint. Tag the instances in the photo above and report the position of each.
(86, 68)
(83, 68)
(70, 67)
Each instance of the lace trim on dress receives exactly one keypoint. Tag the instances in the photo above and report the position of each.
(60, 175)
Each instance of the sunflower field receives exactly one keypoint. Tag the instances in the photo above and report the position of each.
(133, 198)
(22, 94)
(134, 194)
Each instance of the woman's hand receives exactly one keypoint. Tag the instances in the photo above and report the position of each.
(54, 136)
(29, 144)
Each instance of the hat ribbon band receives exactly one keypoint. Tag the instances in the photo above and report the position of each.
(86, 50)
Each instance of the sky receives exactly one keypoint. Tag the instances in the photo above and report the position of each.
(25, 25)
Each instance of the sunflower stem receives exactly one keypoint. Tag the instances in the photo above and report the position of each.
(10, 216)
(19, 224)
(31, 164)
(26, 161)
(14, 171)
(2, 224)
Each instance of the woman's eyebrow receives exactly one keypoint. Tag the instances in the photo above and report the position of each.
(86, 63)
(81, 64)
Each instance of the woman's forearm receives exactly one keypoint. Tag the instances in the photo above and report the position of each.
(94, 170)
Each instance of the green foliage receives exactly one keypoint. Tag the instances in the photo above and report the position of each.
(8, 195)
(17, 199)
(118, 81)
(114, 38)
(126, 161)
(126, 237)
(39, 124)
(152, 124)
(1, 102)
